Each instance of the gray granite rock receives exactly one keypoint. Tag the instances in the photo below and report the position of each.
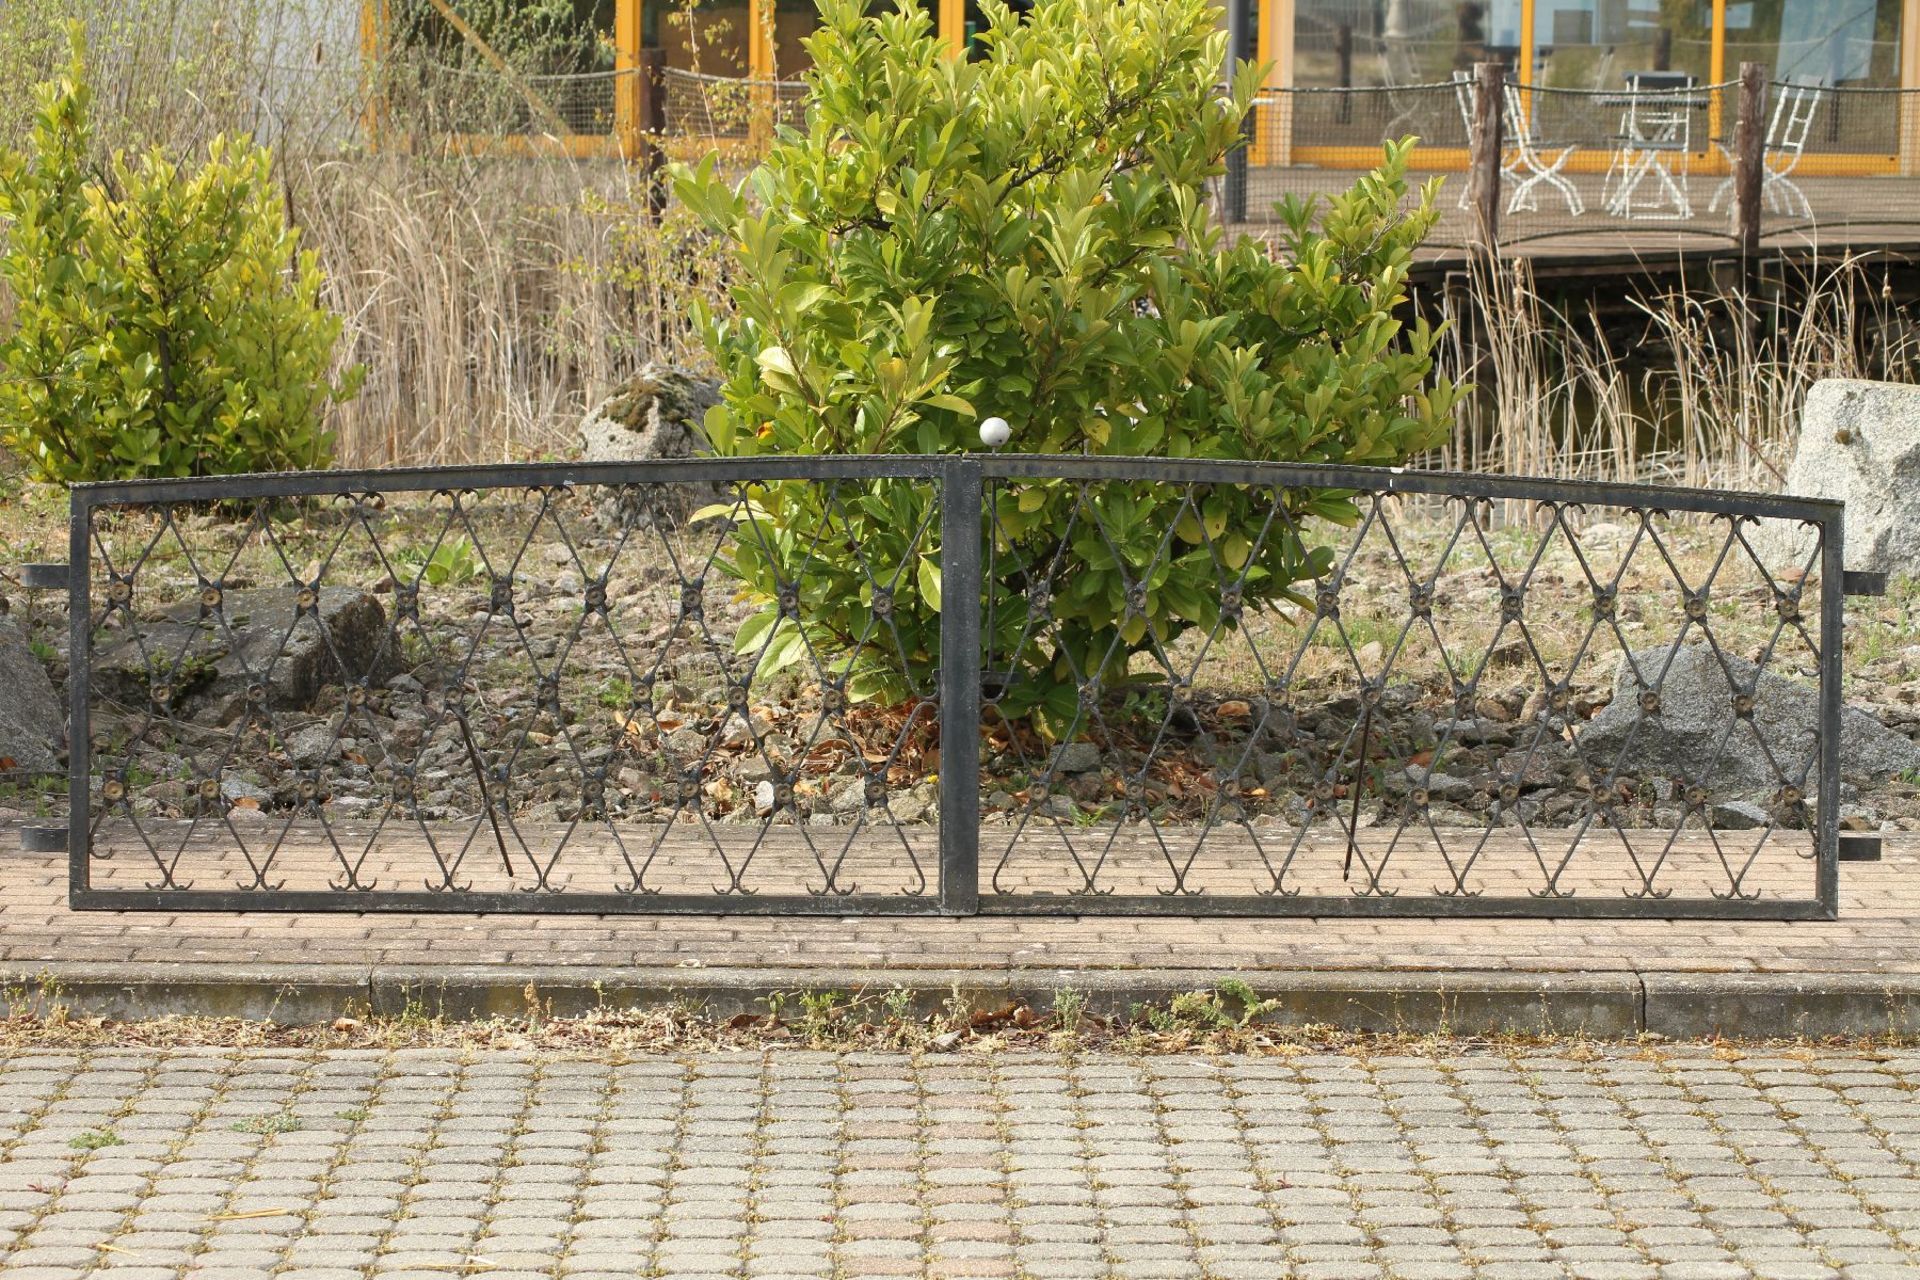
(257, 637)
(33, 724)
(1860, 443)
(1696, 710)
(656, 415)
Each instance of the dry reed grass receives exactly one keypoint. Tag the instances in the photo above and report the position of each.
(1708, 395)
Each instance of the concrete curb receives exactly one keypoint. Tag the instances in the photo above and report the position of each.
(1462, 1002)
(1754, 1005)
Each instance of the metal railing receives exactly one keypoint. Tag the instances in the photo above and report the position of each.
(953, 684)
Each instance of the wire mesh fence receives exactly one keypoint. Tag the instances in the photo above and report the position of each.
(725, 108)
(953, 684)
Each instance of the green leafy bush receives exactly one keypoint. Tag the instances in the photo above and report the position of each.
(1027, 236)
(166, 323)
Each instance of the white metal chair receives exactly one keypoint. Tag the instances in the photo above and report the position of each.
(1541, 160)
(1653, 145)
(1400, 77)
(1528, 160)
(1794, 108)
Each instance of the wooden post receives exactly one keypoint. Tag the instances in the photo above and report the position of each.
(1749, 161)
(1263, 53)
(952, 26)
(628, 88)
(761, 91)
(1343, 68)
(1717, 73)
(1484, 150)
(1909, 117)
(1279, 122)
(653, 125)
(375, 27)
(1236, 179)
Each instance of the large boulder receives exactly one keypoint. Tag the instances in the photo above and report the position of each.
(33, 726)
(1696, 710)
(265, 639)
(656, 415)
(1860, 443)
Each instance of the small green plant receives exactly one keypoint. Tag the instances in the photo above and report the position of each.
(898, 1004)
(166, 321)
(95, 1139)
(616, 694)
(450, 562)
(1232, 1005)
(821, 1013)
(1027, 235)
(278, 1122)
(352, 1114)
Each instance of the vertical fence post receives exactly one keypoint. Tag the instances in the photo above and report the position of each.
(1484, 149)
(1235, 193)
(962, 497)
(79, 693)
(1749, 160)
(652, 111)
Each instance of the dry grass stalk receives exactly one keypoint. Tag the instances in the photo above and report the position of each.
(1710, 396)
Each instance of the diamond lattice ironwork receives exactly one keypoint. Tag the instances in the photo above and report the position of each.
(733, 686)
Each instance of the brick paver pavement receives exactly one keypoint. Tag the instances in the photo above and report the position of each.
(1679, 1163)
(1878, 932)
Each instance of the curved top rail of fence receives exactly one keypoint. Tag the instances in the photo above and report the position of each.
(1375, 480)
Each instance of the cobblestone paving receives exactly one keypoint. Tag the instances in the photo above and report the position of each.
(1678, 1163)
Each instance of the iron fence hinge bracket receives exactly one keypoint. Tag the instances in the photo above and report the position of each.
(43, 839)
(1861, 582)
(44, 577)
(1859, 846)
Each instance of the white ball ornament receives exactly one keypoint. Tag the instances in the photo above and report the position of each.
(995, 432)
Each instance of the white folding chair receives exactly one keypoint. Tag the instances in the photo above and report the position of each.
(1531, 155)
(1653, 145)
(1525, 158)
(1794, 108)
(1398, 73)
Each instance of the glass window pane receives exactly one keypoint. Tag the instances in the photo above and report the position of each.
(1836, 42)
(1596, 44)
(1349, 43)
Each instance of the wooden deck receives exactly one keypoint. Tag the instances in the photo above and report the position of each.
(1037, 859)
(1850, 215)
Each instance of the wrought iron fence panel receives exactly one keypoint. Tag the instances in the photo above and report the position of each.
(953, 684)
(1477, 695)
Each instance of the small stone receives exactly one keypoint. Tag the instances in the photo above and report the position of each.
(1854, 817)
(1075, 757)
(763, 797)
(908, 807)
(1740, 815)
(237, 787)
(311, 745)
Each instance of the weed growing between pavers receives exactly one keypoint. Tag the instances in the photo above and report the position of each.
(1229, 1018)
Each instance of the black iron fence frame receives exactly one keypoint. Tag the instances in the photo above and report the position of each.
(962, 481)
